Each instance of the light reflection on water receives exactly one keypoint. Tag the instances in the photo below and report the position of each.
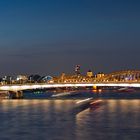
(58, 120)
(116, 119)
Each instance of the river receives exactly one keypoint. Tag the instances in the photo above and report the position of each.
(115, 118)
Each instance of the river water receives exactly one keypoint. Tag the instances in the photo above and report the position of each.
(115, 118)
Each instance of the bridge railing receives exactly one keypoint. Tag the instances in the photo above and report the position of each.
(93, 82)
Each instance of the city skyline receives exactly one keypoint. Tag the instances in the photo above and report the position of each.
(51, 37)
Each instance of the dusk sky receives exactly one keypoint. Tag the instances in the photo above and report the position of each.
(52, 36)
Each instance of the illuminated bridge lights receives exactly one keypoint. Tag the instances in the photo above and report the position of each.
(40, 86)
(130, 78)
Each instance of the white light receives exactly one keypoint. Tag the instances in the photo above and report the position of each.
(24, 87)
(61, 94)
(83, 100)
(4, 87)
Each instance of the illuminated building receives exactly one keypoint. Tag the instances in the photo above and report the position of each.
(22, 78)
(90, 74)
(100, 75)
(7, 80)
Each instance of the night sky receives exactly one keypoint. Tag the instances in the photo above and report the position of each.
(52, 36)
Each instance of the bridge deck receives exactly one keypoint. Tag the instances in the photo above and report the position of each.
(42, 85)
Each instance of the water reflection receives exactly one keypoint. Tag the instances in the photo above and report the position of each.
(117, 119)
(62, 120)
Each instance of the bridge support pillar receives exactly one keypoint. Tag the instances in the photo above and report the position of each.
(17, 95)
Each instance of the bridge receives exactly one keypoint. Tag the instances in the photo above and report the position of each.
(46, 86)
(116, 79)
(126, 75)
(127, 78)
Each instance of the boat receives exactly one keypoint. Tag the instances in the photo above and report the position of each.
(63, 94)
(126, 89)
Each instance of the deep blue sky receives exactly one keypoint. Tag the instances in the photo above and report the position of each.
(52, 36)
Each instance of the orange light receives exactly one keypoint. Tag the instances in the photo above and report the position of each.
(95, 87)
(94, 102)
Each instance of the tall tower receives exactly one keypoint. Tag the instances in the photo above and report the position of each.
(77, 69)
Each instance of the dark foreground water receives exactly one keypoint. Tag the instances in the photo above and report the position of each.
(113, 119)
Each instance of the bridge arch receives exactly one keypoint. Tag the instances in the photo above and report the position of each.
(126, 75)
